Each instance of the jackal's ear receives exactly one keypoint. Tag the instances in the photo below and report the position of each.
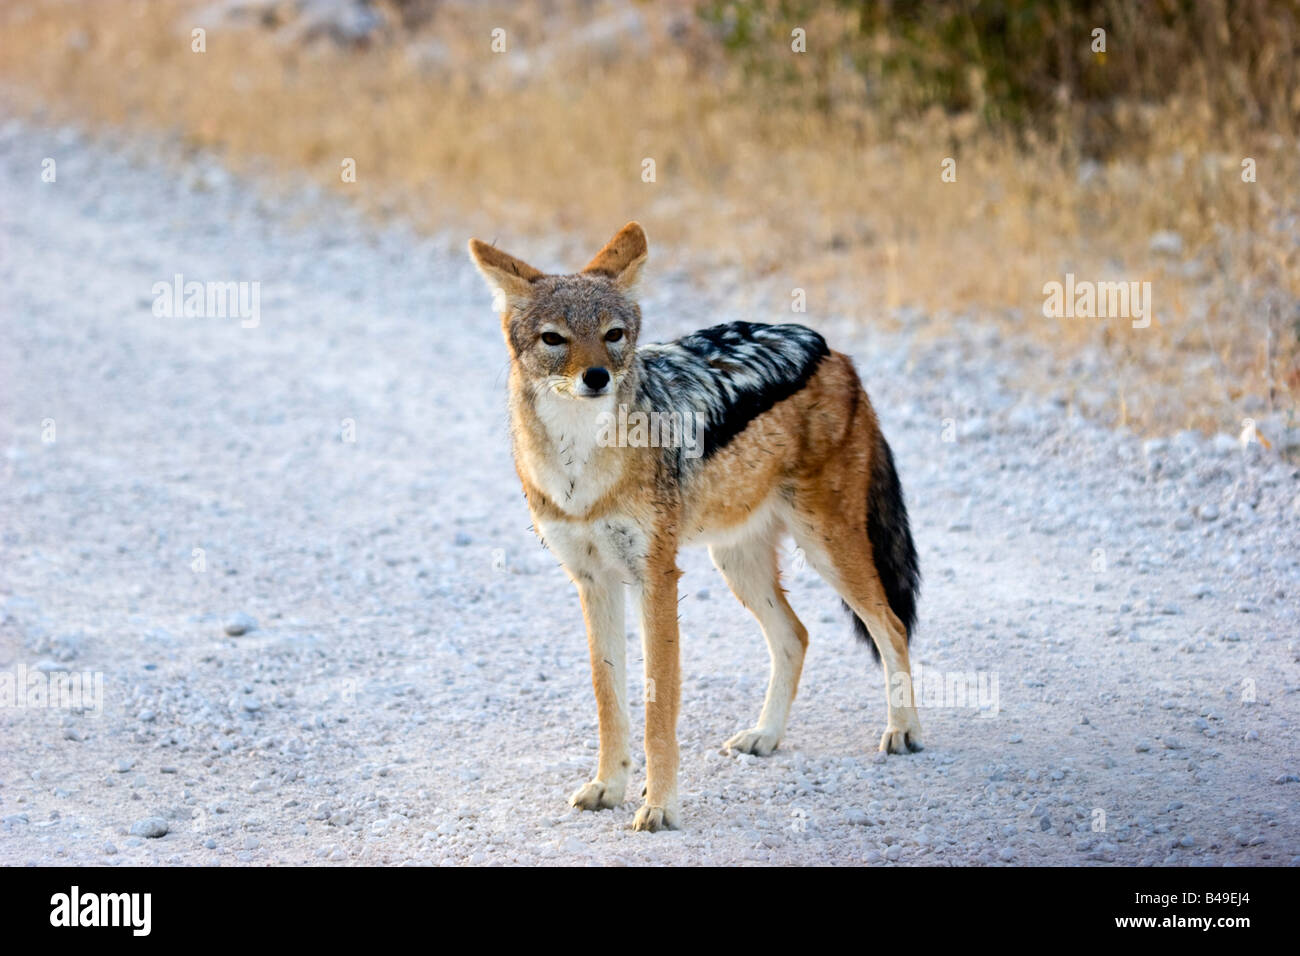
(622, 257)
(510, 279)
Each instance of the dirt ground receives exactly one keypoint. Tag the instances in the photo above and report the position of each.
(412, 686)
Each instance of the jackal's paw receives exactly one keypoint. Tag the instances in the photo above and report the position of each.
(901, 741)
(756, 741)
(597, 795)
(651, 818)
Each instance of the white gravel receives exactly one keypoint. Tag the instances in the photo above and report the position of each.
(375, 662)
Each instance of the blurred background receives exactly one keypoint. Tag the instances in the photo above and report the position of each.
(770, 139)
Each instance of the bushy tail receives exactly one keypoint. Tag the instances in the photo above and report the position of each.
(891, 545)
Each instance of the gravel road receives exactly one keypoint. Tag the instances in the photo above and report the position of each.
(411, 682)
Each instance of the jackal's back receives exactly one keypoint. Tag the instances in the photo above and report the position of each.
(728, 374)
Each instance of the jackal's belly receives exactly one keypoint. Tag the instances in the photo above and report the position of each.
(619, 543)
(726, 526)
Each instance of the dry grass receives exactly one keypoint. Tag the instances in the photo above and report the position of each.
(850, 209)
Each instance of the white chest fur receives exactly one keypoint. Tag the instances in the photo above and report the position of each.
(573, 473)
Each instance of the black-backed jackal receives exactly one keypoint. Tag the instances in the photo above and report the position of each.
(771, 433)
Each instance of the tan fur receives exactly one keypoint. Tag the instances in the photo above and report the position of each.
(803, 468)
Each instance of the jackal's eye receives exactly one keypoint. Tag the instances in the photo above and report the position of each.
(552, 338)
(613, 335)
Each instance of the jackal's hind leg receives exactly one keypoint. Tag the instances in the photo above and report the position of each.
(752, 573)
(844, 558)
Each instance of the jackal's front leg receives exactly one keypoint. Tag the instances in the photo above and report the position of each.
(602, 606)
(662, 696)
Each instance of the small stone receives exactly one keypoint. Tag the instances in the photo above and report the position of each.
(151, 827)
(573, 846)
(241, 623)
(1006, 854)
(1166, 242)
(123, 764)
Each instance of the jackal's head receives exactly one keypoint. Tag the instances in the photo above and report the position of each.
(573, 334)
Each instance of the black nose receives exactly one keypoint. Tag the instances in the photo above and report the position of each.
(595, 378)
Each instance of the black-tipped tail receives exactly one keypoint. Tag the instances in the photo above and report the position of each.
(891, 545)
